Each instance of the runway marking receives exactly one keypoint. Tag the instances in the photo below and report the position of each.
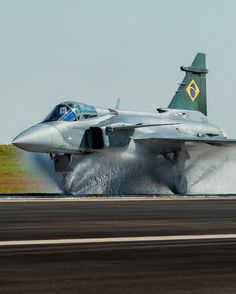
(23, 199)
(117, 240)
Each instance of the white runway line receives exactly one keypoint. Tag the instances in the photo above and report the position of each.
(117, 198)
(117, 240)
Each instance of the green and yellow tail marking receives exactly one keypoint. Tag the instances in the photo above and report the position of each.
(192, 90)
(191, 94)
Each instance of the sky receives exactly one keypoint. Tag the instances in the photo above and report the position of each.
(95, 51)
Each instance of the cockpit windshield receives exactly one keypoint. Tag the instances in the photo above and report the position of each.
(61, 112)
(71, 111)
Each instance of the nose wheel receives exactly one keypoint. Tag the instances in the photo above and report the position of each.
(62, 166)
(66, 186)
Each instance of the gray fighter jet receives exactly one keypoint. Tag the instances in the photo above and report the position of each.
(76, 128)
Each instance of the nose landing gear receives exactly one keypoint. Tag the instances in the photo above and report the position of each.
(66, 183)
(62, 166)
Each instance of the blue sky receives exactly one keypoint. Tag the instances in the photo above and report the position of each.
(94, 51)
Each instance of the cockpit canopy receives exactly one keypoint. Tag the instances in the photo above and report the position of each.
(71, 111)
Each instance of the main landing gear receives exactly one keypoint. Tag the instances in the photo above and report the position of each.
(176, 180)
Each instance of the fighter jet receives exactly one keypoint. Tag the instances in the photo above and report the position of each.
(74, 128)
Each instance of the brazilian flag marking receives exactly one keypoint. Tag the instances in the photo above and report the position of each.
(192, 90)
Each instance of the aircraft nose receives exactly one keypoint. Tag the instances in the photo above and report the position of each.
(38, 138)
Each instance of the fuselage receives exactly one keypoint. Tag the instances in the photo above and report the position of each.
(91, 129)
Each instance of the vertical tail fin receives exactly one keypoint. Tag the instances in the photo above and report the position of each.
(191, 94)
(117, 106)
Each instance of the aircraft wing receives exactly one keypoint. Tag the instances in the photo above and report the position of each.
(154, 139)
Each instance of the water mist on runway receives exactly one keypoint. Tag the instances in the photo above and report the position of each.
(210, 170)
(114, 173)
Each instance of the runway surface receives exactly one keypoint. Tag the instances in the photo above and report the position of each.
(121, 246)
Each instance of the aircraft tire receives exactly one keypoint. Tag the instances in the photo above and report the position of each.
(65, 184)
(179, 185)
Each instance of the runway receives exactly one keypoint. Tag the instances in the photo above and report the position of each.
(121, 246)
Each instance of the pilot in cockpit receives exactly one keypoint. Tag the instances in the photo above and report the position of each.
(71, 111)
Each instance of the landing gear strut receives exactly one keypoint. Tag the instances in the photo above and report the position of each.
(177, 181)
(62, 162)
(62, 166)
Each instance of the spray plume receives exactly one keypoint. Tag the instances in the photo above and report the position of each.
(210, 170)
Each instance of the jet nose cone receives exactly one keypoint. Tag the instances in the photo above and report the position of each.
(36, 139)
